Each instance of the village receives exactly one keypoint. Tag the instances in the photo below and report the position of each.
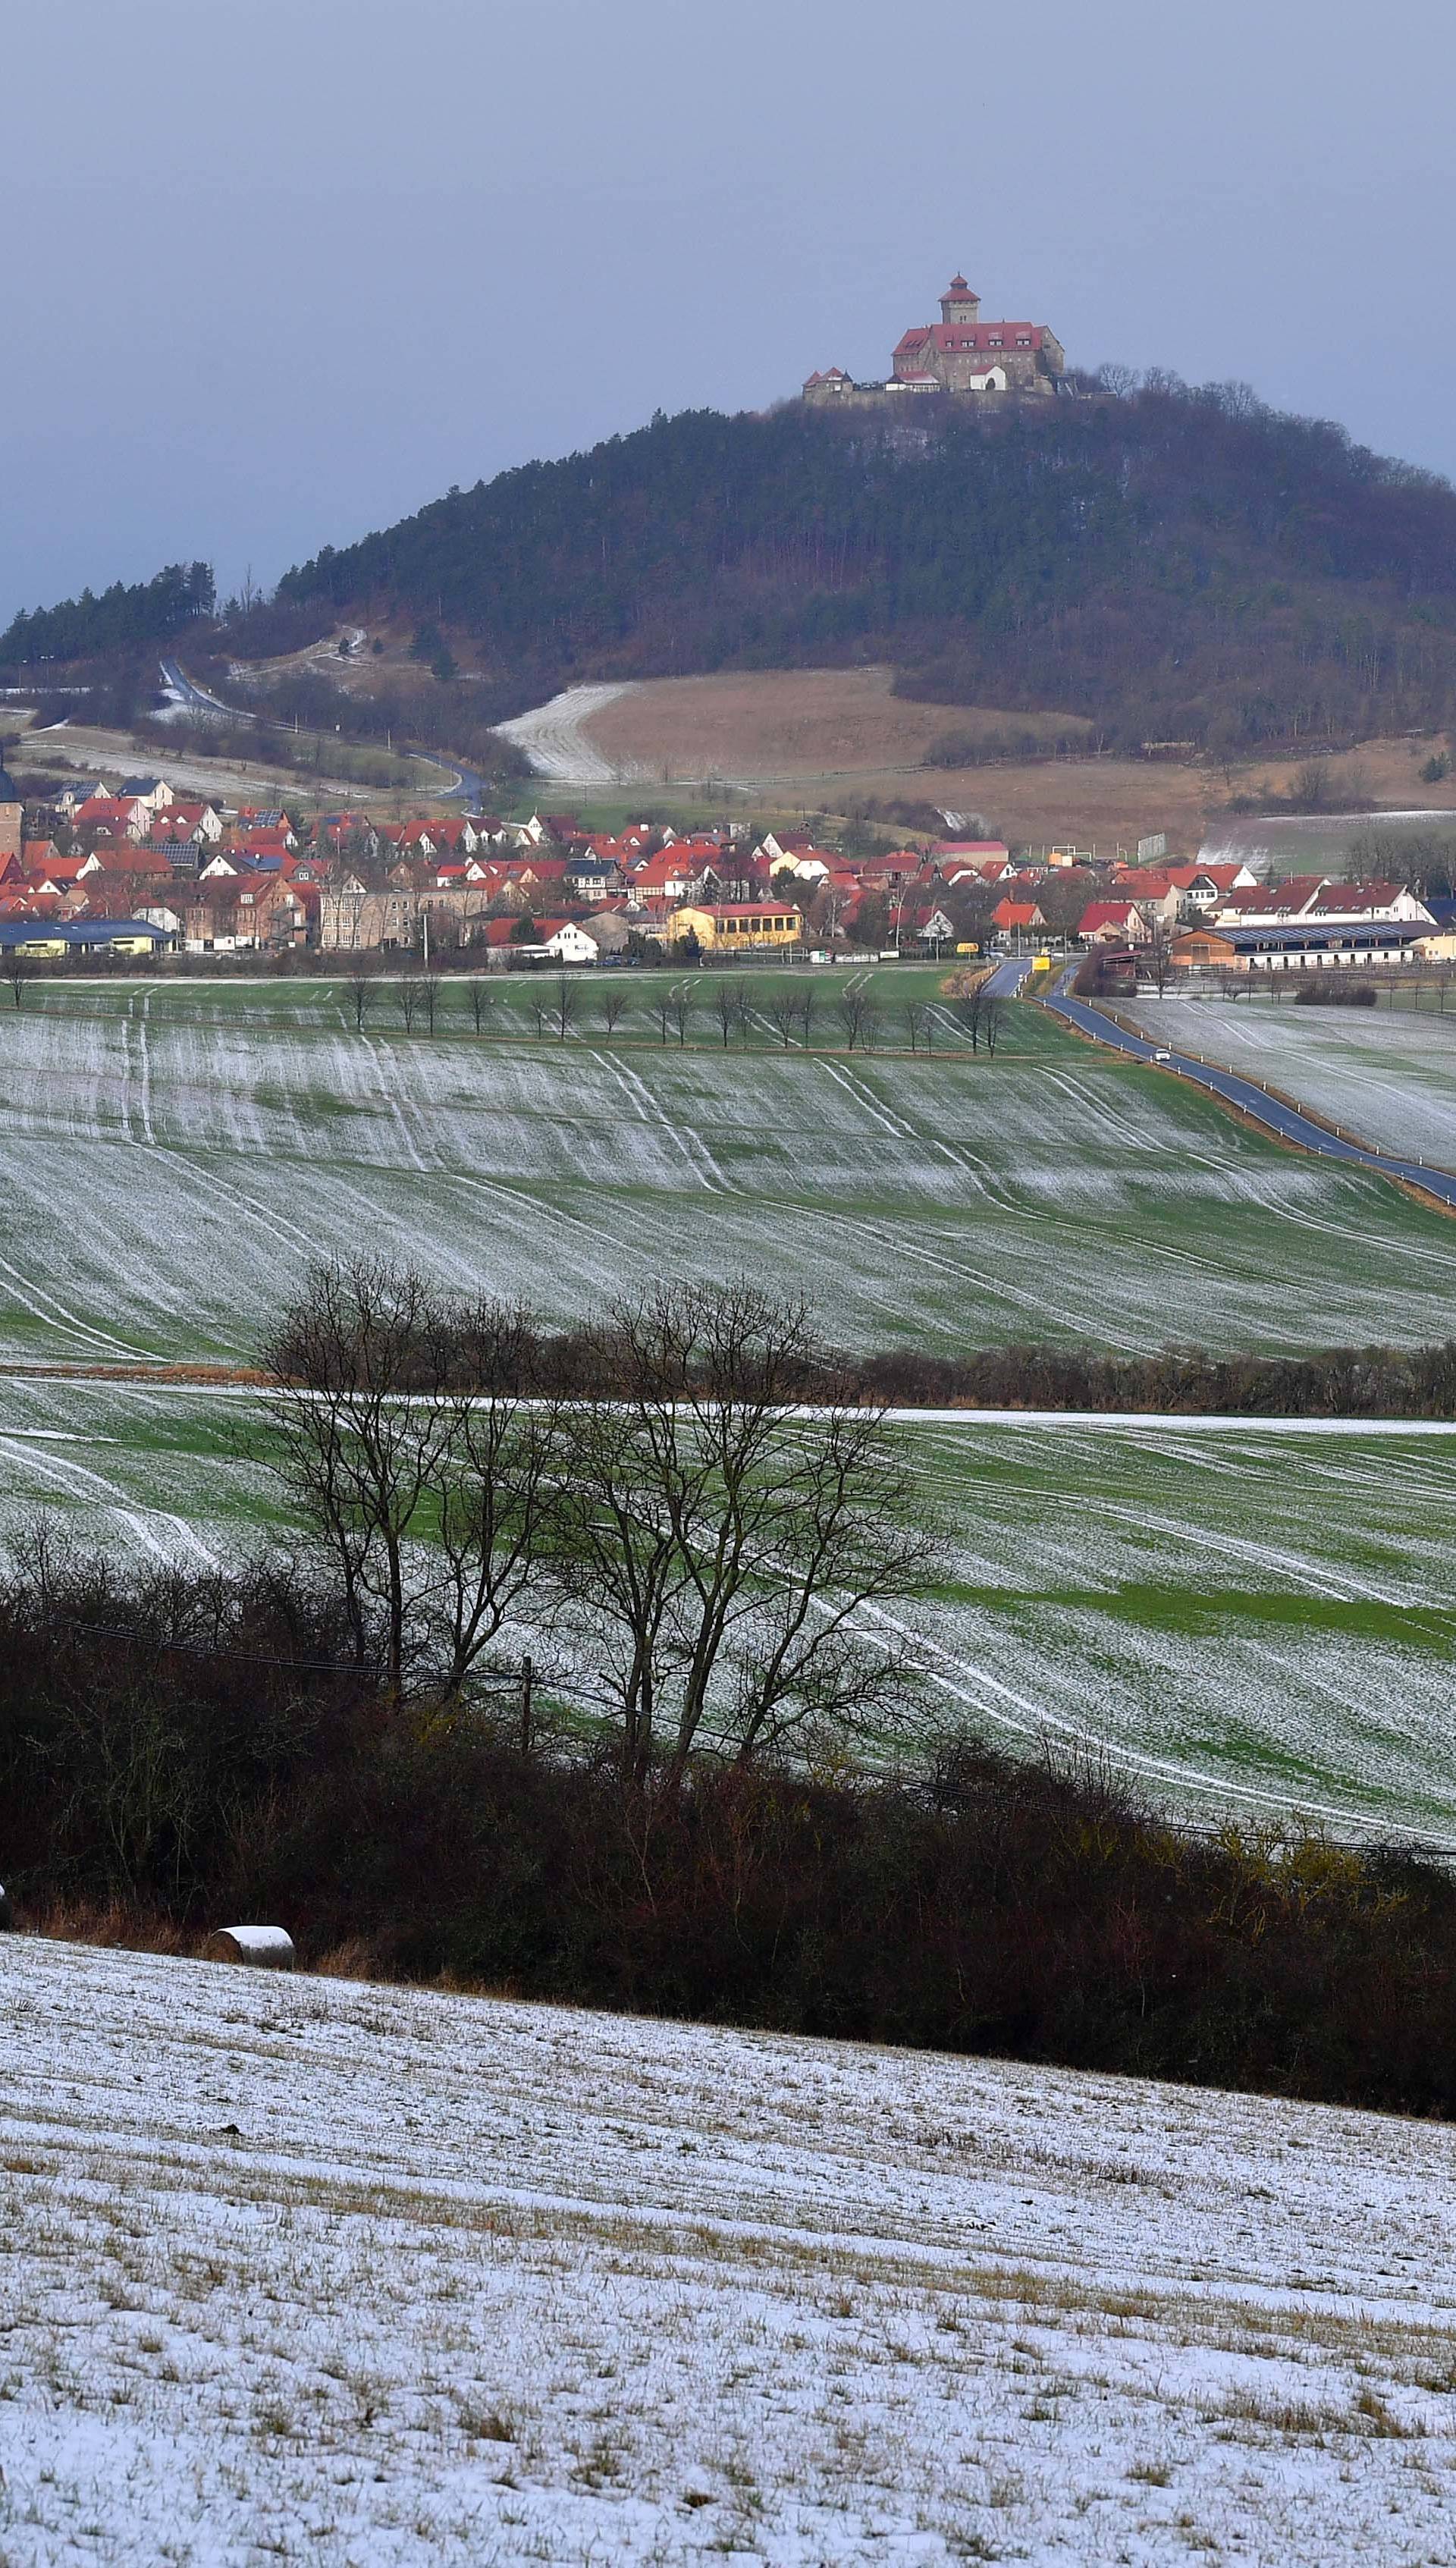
(135, 872)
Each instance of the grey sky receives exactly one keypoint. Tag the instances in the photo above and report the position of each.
(280, 271)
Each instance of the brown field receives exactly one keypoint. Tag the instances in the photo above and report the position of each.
(821, 739)
(784, 726)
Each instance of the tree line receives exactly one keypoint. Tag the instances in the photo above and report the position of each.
(119, 620)
(480, 1346)
(726, 1007)
(180, 1747)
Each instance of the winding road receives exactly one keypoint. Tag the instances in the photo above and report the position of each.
(189, 697)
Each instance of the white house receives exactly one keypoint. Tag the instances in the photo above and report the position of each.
(571, 944)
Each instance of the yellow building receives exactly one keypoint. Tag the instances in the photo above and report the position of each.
(738, 927)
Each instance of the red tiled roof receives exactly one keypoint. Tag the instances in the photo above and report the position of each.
(981, 337)
(1105, 914)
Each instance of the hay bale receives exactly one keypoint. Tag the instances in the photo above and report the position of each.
(267, 1948)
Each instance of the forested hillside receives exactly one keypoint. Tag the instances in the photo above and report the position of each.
(1175, 563)
(120, 619)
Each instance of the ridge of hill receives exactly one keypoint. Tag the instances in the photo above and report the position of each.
(1175, 564)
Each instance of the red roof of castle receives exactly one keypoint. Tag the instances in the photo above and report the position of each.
(984, 337)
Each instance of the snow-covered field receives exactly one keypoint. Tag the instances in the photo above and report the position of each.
(170, 1175)
(555, 739)
(308, 2270)
(1386, 1074)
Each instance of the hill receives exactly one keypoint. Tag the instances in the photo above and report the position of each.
(311, 2268)
(1172, 565)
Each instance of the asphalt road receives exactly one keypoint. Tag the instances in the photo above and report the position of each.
(196, 698)
(1246, 1093)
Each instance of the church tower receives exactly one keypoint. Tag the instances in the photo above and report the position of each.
(958, 303)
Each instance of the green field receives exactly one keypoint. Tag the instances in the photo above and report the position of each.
(1244, 1621)
(179, 1150)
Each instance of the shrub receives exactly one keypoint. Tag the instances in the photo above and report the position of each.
(1027, 1910)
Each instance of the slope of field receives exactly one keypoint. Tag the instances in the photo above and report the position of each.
(179, 1154)
(1241, 1622)
(1387, 1072)
(784, 724)
(306, 2269)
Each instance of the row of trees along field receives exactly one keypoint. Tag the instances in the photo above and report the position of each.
(726, 1010)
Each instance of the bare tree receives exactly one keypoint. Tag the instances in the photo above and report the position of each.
(808, 1006)
(568, 999)
(662, 1009)
(18, 968)
(683, 1002)
(721, 1548)
(968, 1005)
(613, 1009)
(726, 1008)
(1157, 954)
(543, 1010)
(429, 990)
(354, 1444)
(711, 1553)
(402, 1430)
(917, 1021)
(482, 1001)
(407, 996)
(858, 1017)
(993, 1022)
(360, 989)
(782, 1012)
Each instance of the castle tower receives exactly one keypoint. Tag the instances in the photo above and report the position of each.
(958, 303)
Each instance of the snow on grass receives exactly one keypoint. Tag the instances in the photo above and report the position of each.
(1241, 1623)
(304, 2269)
(174, 1168)
(1386, 1074)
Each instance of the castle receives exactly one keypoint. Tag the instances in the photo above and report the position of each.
(959, 353)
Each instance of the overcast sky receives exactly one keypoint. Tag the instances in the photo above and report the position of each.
(279, 271)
